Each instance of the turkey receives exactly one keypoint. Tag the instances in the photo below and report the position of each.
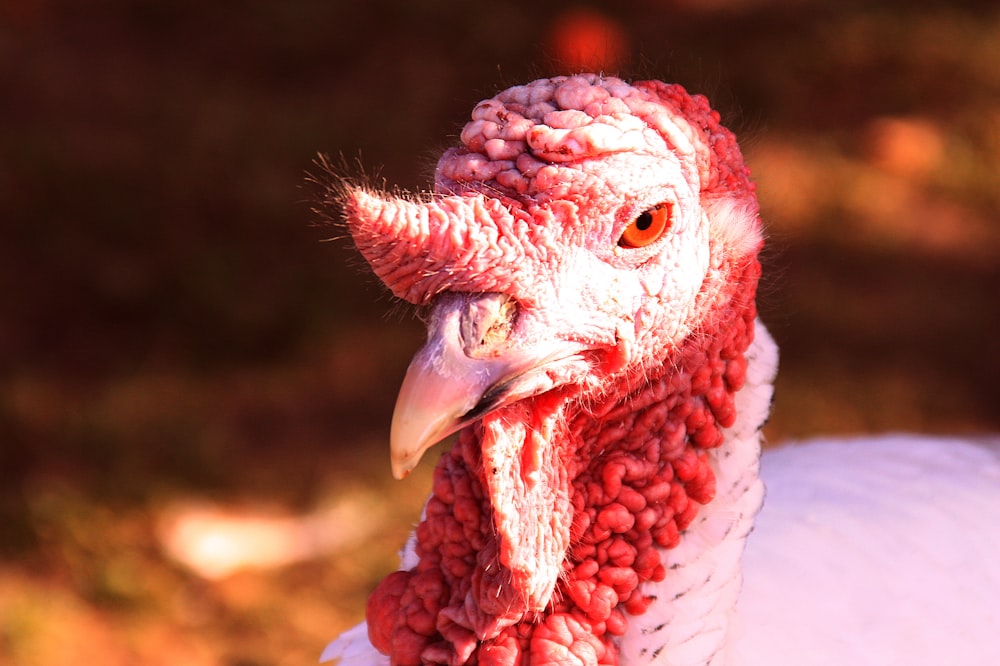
(588, 260)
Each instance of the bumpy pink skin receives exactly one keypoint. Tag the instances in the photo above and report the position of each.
(531, 151)
(541, 173)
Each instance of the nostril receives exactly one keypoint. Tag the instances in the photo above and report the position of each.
(487, 323)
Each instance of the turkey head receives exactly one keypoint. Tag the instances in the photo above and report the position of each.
(580, 253)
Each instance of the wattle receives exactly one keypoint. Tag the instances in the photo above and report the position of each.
(640, 470)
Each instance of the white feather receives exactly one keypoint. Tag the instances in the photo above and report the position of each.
(352, 648)
(875, 551)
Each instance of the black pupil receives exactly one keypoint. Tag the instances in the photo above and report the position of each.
(644, 221)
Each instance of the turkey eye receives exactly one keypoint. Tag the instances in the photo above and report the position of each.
(647, 227)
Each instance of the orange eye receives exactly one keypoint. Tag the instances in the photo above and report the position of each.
(648, 227)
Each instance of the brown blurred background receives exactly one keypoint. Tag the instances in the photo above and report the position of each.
(179, 344)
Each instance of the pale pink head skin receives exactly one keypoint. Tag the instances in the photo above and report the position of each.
(590, 378)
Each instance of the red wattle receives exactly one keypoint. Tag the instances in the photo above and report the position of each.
(642, 473)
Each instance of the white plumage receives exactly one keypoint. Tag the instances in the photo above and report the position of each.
(879, 551)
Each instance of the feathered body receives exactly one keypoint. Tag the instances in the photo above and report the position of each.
(875, 550)
(590, 258)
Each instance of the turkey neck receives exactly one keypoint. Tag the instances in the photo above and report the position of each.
(709, 436)
(691, 614)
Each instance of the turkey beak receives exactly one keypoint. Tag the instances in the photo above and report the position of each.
(469, 366)
(445, 385)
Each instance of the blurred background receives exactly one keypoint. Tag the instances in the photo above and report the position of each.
(196, 376)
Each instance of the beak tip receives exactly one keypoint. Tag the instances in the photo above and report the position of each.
(406, 447)
(401, 470)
